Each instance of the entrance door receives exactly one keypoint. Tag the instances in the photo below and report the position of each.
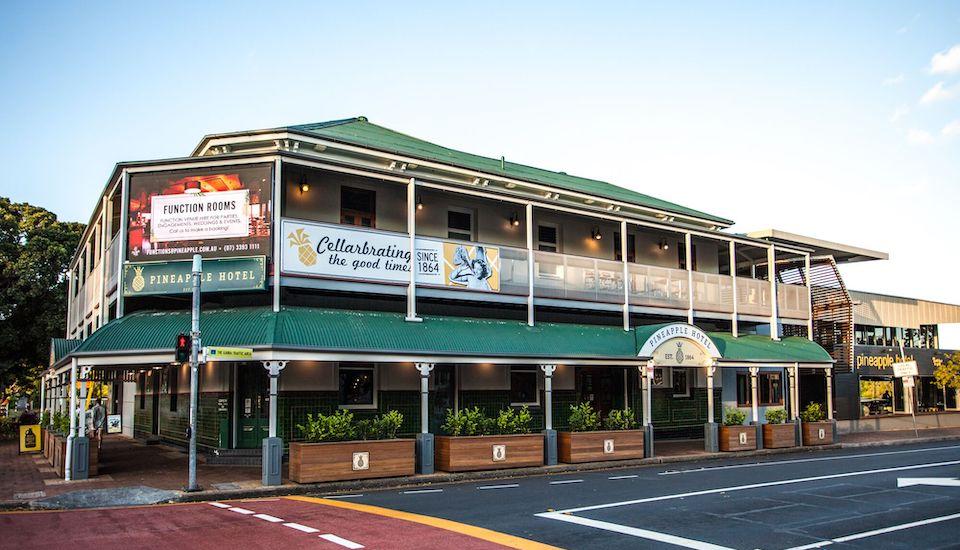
(602, 387)
(155, 405)
(253, 402)
(443, 396)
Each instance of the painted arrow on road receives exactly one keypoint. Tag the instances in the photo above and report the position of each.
(938, 481)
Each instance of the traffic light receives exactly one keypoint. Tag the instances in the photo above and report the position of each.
(184, 343)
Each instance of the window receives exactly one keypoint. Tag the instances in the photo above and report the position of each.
(173, 384)
(769, 388)
(523, 385)
(681, 382)
(631, 247)
(460, 224)
(928, 336)
(358, 207)
(76, 280)
(142, 389)
(682, 255)
(357, 386)
(876, 396)
(548, 237)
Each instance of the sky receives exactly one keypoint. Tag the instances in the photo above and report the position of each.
(835, 120)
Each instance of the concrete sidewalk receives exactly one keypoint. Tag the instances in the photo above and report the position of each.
(25, 480)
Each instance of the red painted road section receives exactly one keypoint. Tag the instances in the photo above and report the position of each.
(204, 526)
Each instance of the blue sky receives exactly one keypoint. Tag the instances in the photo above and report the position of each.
(820, 118)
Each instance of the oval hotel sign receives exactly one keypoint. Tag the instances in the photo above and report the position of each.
(680, 344)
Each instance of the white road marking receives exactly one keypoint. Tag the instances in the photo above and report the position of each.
(624, 477)
(303, 528)
(876, 532)
(243, 511)
(343, 496)
(635, 532)
(757, 486)
(802, 460)
(506, 486)
(938, 481)
(219, 504)
(566, 481)
(421, 491)
(341, 541)
(269, 518)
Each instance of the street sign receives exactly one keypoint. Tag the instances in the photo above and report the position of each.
(908, 382)
(220, 353)
(905, 368)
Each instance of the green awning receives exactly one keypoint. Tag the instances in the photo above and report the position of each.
(754, 348)
(61, 347)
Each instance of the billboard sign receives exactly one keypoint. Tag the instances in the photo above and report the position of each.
(343, 252)
(223, 275)
(229, 216)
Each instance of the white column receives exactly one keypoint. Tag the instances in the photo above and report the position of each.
(412, 234)
(806, 279)
(829, 374)
(68, 460)
(43, 393)
(711, 369)
(548, 395)
(626, 275)
(795, 390)
(424, 369)
(273, 370)
(772, 276)
(735, 329)
(754, 394)
(530, 262)
(688, 244)
(122, 235)
(104, 231)
(277, 233)
(646, 377)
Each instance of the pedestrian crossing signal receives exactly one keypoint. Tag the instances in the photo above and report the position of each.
(183, 347)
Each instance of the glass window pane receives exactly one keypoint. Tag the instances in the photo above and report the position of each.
(356, 386)
(523, 386)
(876, 396)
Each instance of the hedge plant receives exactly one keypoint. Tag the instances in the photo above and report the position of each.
(341, 426)
(813, 413)
(733, 417)
(775, 416)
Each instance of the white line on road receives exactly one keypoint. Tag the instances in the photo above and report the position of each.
(635, 532)
(343, 496)
(506, 486)
(243, 511)
(219, 505)
(303, 528)
(876, 532)
(269, 518)
(341, 541)
(624, 477)
(421, 491)
(759, 485)
(802, 460)
(566, 481)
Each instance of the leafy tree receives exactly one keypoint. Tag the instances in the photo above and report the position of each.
(947, 373)
(35, 253)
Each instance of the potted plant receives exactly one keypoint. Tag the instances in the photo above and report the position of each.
(814, 427)
(476, 442)
(586, 442)
(776, 433)
(339, 448)
(734, 436)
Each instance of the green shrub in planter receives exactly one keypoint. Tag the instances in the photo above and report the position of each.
(514, 421)
(45, 419)
(583, 418)
(813, 413)
(776, 416)
(620, 419)
(733, 417)
(465, 422)
(329, 427)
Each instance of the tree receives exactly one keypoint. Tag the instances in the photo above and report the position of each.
(947, 373)
(35, 253)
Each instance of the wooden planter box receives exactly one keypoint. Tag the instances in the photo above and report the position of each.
(45, 438)
(338, 461)
(58, 455)
(488, 452)
(598, 446)
(738, 438)
(817, 433)
(779, 436)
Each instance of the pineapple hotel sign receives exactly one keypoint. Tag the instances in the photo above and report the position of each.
(222, 275)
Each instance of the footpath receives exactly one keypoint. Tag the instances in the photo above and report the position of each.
(133, 473)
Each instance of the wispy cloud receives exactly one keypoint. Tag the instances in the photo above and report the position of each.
(940, 92)
(946, 62)
(899, 113)
(894, 80)
(951, 129)
(904, 29)
(919, 137)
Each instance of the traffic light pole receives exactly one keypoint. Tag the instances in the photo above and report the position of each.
(194, 368)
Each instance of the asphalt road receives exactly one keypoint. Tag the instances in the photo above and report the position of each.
(863, 498)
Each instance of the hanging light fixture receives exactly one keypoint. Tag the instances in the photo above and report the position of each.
(419, 203)
(595, 233)
(192, 187)
(304, 186)
(515, 220)
(664, 245)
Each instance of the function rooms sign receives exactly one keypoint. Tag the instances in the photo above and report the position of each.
(341, 252)
(205, 216)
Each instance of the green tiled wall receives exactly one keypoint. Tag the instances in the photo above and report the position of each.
(293, 407)
(681, 417)
(173, 424)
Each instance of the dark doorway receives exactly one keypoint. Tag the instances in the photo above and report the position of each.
(443, 395)
(813, 389)
(253, 421)
(602, 387)
(155, 405)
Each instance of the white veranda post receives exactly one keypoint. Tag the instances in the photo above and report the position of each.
(548, 395)
(754, 393)
(711, 369)
(425, 369)
(829, 374)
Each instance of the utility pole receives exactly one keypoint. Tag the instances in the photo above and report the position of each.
(194, 370)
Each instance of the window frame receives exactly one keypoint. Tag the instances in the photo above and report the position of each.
(525, 369)
(686, 374)
(473, 223)
(763, 378)
(375, 390)
(358, 214)
(558, 249)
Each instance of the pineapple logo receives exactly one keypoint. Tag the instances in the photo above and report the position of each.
(138, 283)
(301, 240)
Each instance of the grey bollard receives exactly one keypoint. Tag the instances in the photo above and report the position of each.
(424, 453)
(272, 461)
(648, 451)
(550, 447)
(80, 466)
(711, 437)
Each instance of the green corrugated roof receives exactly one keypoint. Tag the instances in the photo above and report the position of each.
(753, 347)
(360, 131)
(61, 347)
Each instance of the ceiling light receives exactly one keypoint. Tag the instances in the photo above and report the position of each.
(419, 203)
(192, 187)
(595, 233)
(664, 245)
(304, 186)
(514, 220)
